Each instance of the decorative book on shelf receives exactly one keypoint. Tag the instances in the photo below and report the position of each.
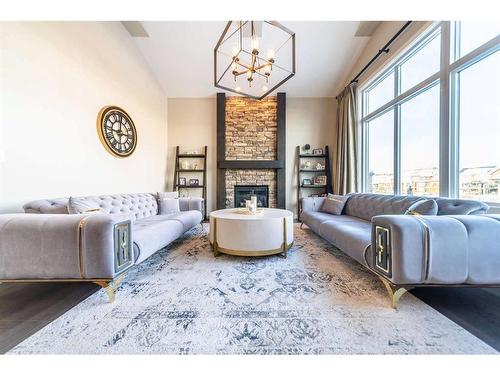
(188, 169)
(314, 175)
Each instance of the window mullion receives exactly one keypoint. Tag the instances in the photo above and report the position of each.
(397, 132)
(447, 171)
(454, 84)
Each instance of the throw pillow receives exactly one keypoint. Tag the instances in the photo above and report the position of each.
(167, 194)
(168, 206)
(334, 204)
(423, 207)
(81, 205)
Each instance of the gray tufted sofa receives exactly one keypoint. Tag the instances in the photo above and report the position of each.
(460, 246)
(87, 245)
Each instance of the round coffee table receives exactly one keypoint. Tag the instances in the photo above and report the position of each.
(234, 232)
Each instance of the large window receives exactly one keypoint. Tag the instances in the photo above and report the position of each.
(431, 119)
(479, 124)
(381, 92)
(423, 63)
(420, 144)
(381, 154)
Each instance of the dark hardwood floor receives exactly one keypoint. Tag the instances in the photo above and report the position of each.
(26, 308)
(475, 309)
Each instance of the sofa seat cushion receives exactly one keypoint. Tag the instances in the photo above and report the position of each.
(313, 219)
(156, 232)
(150, 235)
(348, 233)
(189, 219)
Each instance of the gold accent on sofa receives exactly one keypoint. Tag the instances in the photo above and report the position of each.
(382, 249)
(111, 286)
(395, 292)
(81, 228)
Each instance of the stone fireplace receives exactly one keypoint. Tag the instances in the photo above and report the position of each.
(250, 150)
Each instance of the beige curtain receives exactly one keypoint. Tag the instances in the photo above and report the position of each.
(345, 154)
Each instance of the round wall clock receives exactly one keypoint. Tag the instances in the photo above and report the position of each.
(116, 131)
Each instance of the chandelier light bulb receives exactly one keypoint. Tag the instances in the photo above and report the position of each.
(255, 45)
(265, 88)
(237, 88)
(235, 52)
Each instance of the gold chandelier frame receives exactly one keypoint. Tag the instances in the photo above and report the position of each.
(262, 69)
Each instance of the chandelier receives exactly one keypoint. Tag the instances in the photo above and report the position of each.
(253, 58)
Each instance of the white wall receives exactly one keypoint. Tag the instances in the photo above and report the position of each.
(192, 125)
(54, 79)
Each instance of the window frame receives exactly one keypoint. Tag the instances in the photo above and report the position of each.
(448, 79)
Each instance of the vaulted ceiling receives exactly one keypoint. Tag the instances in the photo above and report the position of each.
(180, 54)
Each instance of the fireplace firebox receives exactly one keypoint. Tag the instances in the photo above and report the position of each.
(244, 192)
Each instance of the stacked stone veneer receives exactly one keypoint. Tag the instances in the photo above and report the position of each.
(251, 128)
(251, 134)
(250, 177)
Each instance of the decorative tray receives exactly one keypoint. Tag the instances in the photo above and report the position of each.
(245, 211)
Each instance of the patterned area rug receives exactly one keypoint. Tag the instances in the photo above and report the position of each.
(182, 300)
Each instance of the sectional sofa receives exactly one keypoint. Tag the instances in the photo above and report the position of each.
(99, 241)
(458, 246)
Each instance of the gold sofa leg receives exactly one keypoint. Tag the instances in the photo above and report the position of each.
(111, 286)
(394, 292)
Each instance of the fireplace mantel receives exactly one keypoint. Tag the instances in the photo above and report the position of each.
(278, 164)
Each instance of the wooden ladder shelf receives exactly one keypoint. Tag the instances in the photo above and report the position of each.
(179, 170)
(312, 171)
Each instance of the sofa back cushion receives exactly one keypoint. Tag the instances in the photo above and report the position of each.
(47, 206)
(367, 205)
(140, 205)
(450, 206)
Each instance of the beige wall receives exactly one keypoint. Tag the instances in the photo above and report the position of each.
(192, 124)
(54, 79)
(308, 120)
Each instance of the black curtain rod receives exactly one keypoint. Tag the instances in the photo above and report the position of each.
(385, 49)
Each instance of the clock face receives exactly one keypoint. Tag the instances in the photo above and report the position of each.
(117, 131)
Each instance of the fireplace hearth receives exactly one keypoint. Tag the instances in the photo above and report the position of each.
(244, 192)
